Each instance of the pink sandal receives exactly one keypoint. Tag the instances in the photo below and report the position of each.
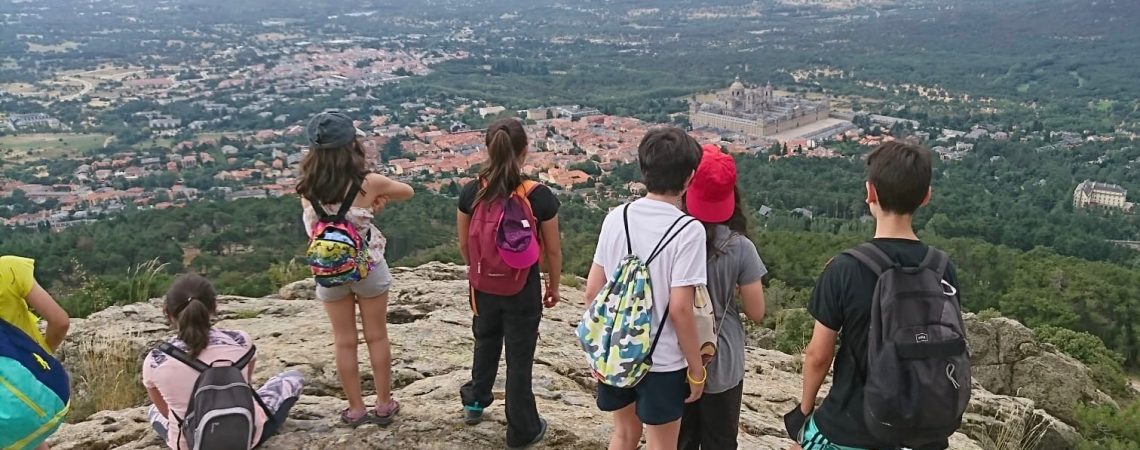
(383, 416)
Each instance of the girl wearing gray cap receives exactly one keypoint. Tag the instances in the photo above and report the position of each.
(335, 173)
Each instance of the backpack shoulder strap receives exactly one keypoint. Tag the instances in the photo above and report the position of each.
(318, 208)
(936, 260)
(723, 245)
(625, 219)
(246, 358)
(668, 238)
(346, 204)
(182, 357)
(871, 256)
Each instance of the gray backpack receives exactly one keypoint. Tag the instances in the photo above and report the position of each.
(220, 414)
(917, 379)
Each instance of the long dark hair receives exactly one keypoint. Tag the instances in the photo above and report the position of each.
(326, 174)
(737, 223)
(191, 300)
(506, 143)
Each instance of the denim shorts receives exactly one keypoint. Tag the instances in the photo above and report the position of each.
(660, 397)
(377, 282)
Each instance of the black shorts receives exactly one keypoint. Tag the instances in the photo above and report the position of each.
(660, 397)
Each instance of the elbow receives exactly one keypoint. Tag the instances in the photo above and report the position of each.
(755, 314)
(680, 310)
(817, 360)
(62, 324)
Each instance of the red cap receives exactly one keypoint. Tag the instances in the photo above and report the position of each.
(712, 195)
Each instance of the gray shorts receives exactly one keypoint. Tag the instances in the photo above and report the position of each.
(376, 283)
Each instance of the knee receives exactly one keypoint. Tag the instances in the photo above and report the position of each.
(376, 337)
(345, 344)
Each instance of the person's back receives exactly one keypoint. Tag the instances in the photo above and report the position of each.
(734, 267)
(668, 159)
(190, 304)
(841, 303)
(175, 381)
(334, 178)
(506, 226)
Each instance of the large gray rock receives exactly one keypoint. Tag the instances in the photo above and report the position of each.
(1008, 360)
(301, 290)
(429, 324)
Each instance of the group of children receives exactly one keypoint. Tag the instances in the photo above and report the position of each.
(690, 232)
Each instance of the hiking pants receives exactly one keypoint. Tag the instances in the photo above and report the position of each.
(514, 321)
(280, 393)
(712, 422)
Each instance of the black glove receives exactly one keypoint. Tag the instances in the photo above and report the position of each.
(794, 422)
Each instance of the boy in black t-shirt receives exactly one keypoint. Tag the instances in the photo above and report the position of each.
(898, 184)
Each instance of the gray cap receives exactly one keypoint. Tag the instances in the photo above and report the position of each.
(331, 129)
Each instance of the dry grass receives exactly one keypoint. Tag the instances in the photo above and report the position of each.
(106, 372)
(141, 280)
(1022, 430)
(281, 274)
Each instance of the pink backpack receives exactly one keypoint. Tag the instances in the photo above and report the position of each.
(502, 243)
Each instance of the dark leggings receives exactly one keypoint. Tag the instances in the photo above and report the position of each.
(712, 422)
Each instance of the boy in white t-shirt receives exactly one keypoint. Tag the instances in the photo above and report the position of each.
(668, 158)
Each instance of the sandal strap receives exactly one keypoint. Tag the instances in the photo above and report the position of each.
(349, 419)
(389, 408)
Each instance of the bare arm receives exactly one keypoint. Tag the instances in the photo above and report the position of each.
(391, 189)
(552, 247)
(462, 223)
(752, 296)
(159, 402)
(595, 281)
(817, 361)
(681, 316)
(684, 322)
(57, 320)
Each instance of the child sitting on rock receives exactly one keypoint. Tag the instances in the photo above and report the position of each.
(191, 303)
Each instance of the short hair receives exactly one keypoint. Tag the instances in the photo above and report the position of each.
(901, 175)
(667, 156)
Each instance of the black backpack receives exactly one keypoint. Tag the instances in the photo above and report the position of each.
(220, 414)
(917, 379)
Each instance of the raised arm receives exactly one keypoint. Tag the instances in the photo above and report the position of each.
(386, 187)
(57, 320)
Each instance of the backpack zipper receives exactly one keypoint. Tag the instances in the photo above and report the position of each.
(22, 397)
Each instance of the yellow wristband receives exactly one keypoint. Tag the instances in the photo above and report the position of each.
(703, 378)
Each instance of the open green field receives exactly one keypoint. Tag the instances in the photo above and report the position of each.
(26, 147)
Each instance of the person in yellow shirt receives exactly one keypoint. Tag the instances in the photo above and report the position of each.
(20, 294)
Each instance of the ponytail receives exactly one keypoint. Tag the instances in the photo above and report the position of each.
(190, 303)
(502, 174)
(194, 327)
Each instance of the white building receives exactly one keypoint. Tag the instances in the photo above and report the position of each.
(1092, 193)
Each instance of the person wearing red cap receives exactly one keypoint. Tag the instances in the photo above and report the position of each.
(734, 266)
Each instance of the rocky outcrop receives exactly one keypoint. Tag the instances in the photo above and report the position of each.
(1008, 360)
(301, 290)
(431, 344)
